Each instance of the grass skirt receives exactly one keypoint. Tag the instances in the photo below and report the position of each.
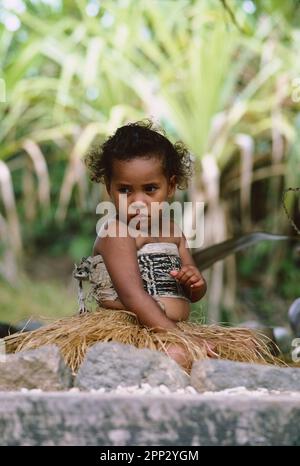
(75, 334)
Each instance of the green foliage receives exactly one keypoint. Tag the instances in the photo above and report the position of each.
(253, 272)
(72, 77)
(36, 300)
(289, 279)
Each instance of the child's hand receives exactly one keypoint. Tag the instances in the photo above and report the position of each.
(191, 279)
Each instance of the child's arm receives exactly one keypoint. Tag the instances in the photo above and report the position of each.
(189, 275)
(120, 258)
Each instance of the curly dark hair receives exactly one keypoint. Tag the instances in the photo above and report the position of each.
(139, 139)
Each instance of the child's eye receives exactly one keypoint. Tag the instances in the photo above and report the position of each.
(123, 190)
(151, 188)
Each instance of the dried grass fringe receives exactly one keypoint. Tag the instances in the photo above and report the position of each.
(75, 334)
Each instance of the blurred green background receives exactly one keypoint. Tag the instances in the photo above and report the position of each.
(222, 76)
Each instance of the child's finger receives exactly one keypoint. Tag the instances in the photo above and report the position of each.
(180, 272)
(194, 279)
(185, 277)
(199, 288)
(199, 284)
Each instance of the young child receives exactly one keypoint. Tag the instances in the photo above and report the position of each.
(143, 284)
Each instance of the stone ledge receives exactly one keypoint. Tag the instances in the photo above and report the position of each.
(220, 374)
(64, 418)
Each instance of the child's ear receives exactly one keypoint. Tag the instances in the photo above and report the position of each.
(172, 186)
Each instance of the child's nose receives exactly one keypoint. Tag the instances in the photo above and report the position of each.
(138, 205)
(138, 208)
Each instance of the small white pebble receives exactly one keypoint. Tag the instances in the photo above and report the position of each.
(98, 390)
(191, 389)
(131, 389)
(164, 389)
(146, 386)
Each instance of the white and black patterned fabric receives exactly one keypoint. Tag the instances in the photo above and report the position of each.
(155, 271)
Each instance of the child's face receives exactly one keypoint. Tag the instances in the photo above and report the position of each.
(142, 180)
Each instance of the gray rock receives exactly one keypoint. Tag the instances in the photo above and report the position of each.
(69, 419)
(294, 317)
(41, 368)
(218, 374)
(111, 364)
(283, 338)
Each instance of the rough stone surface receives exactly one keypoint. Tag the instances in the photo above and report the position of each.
(41, 368)
(66, 418)
(111, 364)
(216, 374)
(294, 317)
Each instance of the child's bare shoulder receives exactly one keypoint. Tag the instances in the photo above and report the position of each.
(109, 231)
